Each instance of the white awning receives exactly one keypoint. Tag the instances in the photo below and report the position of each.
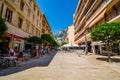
(83, 45)
(96, 43)
(16, 31)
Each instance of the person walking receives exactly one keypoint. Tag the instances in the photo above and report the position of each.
(37, 52)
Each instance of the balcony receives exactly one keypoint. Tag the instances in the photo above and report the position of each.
(95, 13)
(113, 15)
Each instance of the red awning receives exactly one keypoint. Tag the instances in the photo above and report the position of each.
(14, 36)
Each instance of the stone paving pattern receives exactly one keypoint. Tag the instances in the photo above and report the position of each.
(64, 66)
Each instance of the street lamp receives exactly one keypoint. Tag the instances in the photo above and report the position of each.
(86, 46)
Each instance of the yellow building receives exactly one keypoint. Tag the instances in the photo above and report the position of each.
(45, 26)
(89, 14)
(23, 18)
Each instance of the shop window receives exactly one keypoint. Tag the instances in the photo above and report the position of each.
(17, 47)
(8, 15)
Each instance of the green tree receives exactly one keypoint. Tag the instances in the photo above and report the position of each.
(108, 33)
(63, 43)
(35, 40)
(3, 27)
(48, 38)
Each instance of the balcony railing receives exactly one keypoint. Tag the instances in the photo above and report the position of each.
(112, 14)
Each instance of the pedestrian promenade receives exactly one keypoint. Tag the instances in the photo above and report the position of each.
(69, 66)
(33, 62)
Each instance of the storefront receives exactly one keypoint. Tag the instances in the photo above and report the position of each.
(15, 42)
(4, 43)
(18, 43)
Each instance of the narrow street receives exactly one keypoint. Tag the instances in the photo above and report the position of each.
(64, 66)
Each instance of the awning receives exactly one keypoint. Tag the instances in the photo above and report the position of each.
(83, 45)
(96, 43)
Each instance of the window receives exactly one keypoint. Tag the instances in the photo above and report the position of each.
(30, 1)
(34, 7)
(37, 34)
(37, 22)
(29, 13)
(20, 21)
(32, 30)
(8, 15)
(21, 5)
(27, 27)
(13, 0)
(106, 0)
(33, 18)
(1, 11)
(43, 31)
(38, 13)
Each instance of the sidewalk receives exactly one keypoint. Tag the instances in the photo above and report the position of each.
(69, 66)
(31, 63)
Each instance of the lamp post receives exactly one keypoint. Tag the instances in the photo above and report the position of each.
(86, 46)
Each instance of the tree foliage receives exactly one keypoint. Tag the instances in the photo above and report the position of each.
(3, 27)
(63, 43)
(48, 38)
(35, 40)
(108, 33)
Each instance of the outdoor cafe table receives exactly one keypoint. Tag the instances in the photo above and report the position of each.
(10, 60)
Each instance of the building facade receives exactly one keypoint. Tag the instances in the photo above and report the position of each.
(70, 35)
(23, 19)
(46, 29)
(89, 14)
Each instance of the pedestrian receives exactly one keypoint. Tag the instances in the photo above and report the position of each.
(37, 52)
(41, 52)
(12, 52)
(20, 57)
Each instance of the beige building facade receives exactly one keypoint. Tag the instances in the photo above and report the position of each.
(70, 35)
(46, 29)
(89, 14)
(23, 19)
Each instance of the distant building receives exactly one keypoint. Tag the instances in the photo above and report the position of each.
(70, 33)
(69, 38)
(89, 14)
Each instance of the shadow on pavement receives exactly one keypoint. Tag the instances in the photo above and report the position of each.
(117, 60)
(41, 62)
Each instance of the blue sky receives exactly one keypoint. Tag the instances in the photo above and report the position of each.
(59, 13)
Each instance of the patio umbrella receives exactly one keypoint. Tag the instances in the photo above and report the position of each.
(67, 45)
(75, 45)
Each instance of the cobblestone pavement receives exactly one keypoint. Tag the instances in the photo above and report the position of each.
(68, 66)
